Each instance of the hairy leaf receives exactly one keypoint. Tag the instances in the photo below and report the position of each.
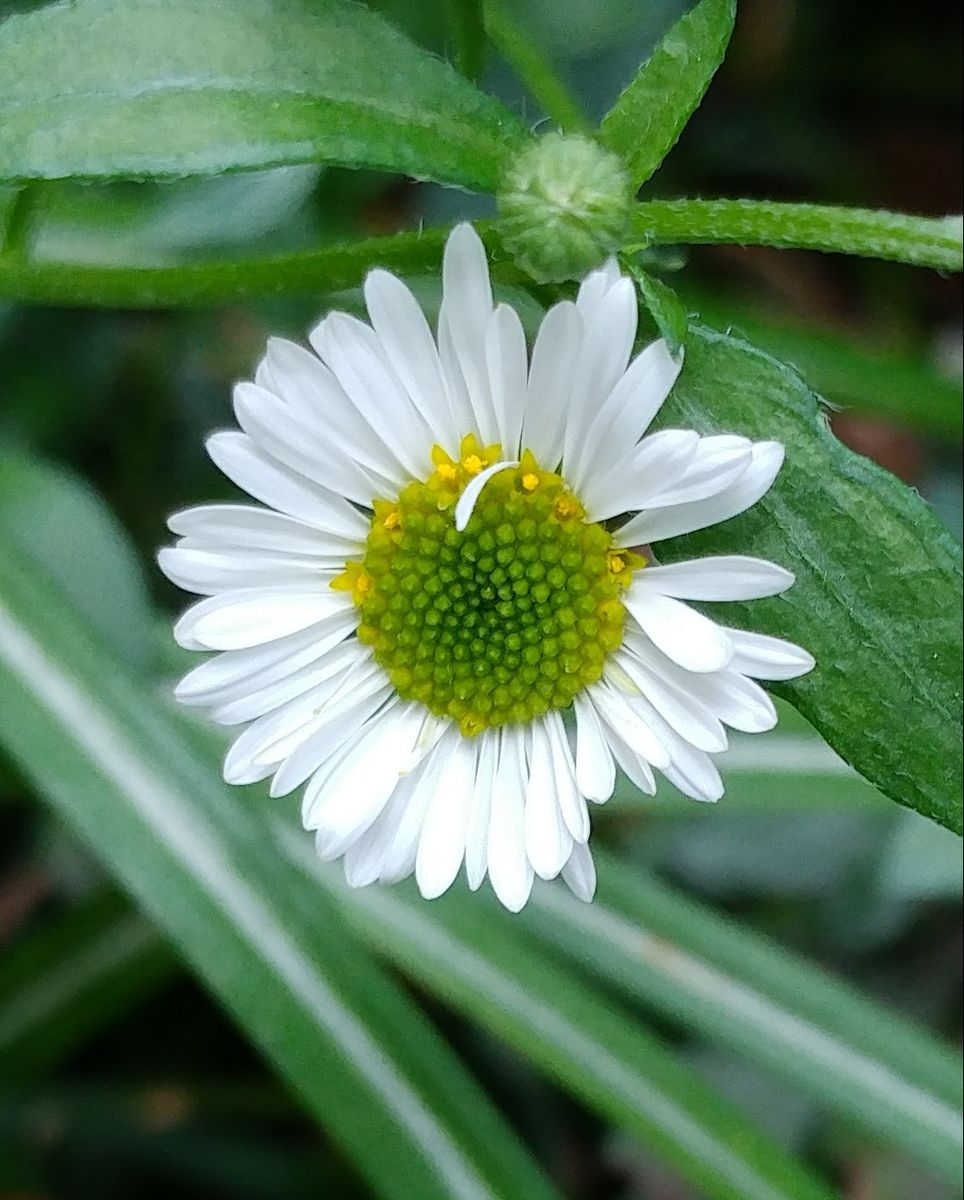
(877, 599)
(644, 123)
(107, 89)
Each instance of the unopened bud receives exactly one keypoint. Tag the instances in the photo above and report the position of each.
(565, 204)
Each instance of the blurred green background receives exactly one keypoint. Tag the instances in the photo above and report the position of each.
(139, 1085)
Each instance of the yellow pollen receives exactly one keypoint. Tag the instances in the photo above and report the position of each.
(616, 563)
(471, 724)
(393, 520)
(530, 482)
(472, 463)
(447, 471)
(364, 583)
(566, 507)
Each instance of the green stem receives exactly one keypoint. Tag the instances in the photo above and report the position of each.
(468, 35)
(526, 58)
(328, 269)
(920, 241)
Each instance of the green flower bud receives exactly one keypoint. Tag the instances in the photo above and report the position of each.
(565, 204)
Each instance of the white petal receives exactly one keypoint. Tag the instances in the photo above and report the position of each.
(656, 463)
(441, 847)
(234, 672)
(262, 748)
(738, 701)
(251, 616)
(609, 335)
(580, 873)
(547, 840)
(693, 773)
(717, 464)
(359, 785)
(571, 803)
(464, 316)
(718, 577)
(629, 721)
(316, 397)
(477, 834)
(595, 770)
(627, 412)
(766, 657)
(352, 351)
(286, 437)
(254, 701)
(684, 635)
(689, 769)
(244, 525)
(678, 706)
(556, 348)
(266, 479)
(507, 361)
(301, 751)
(365, 858)
(756, 481)
(473, 490)
(208, 572)
(595, 286)
(409, 346)
(421, 786)
(633, 765)
(510, 871)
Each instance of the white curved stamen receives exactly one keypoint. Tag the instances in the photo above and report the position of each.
(473, 490)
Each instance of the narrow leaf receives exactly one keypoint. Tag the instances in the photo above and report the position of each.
(529, 61)
(878, 594)
(466, 951)
(645, 122)
(705, 973)
(123, 773)
(108, 89)
(664, 306)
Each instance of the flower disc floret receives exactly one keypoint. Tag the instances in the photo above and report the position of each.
(503, 621)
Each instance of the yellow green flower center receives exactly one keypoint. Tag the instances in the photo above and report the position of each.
(500, 622)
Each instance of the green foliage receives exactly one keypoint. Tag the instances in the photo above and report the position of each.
(644, 123)
(699, 970)
(124, 774)
(921, 241)
(877, 598)
(108, 89)
(133, 93)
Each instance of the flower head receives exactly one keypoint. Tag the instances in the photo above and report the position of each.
(445, 618)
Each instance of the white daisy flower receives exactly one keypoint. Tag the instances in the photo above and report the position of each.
(446, 567)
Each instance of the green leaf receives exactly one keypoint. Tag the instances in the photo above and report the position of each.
(468, 35)
(475, 956)
(73, 977)
(877, 599)
(703, 972)
(870, 233)
(108, 89)
(122, 772)
(664, 306)
(60, 523)
(645, 122)
(532, 65)
(864, 373)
